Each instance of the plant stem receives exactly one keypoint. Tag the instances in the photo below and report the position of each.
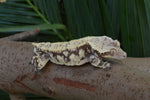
(36, 10)
(44, 19)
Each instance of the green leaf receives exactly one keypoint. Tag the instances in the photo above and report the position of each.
(20, 14)
(31, 27)
(113, 8)
(96, 17)
(43, 16)
(105, 19)
(135, 27)
(144, 23)
(79, 17)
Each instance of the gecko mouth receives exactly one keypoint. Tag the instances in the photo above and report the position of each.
(107, 55)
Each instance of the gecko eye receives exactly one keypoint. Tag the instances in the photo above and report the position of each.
(113, 51)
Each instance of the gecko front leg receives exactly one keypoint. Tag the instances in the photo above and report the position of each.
(98, 62)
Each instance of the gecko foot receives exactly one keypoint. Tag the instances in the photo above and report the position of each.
(106, 66)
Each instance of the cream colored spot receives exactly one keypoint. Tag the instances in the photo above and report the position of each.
(81, 53)
(74, 58)
(60, 58)
(73, 49)
(35, 49)
(65, 53)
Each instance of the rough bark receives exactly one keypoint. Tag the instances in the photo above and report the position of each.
(127, 81)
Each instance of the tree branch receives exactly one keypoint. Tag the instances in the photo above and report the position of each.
(127, 81)
(22, 36)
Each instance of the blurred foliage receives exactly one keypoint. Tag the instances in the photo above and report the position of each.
(62, 20)
(4, 96)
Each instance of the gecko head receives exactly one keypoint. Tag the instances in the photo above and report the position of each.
(115, 53)
(107, 47)
(112, 50)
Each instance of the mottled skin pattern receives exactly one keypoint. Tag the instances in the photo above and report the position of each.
(77, 52)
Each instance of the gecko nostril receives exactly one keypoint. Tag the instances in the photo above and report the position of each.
(124, 56)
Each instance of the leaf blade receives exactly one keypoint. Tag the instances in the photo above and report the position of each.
(31, 27)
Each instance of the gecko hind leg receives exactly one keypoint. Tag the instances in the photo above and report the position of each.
(39, 61)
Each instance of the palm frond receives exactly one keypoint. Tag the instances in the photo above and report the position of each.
(26, 16)
(135, 27)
